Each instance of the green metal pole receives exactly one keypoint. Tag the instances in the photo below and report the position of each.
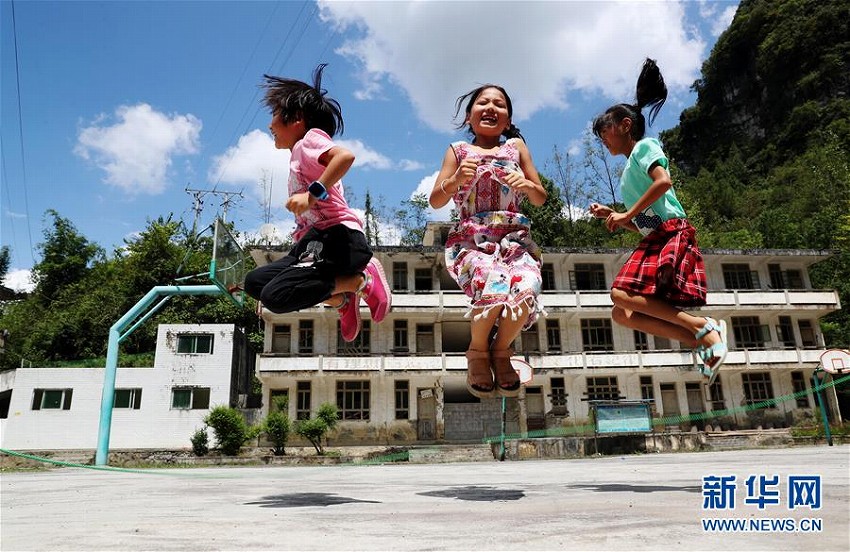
(115, 337)
(816, 384)
(502, 437)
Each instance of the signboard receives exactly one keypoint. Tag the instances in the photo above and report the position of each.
(622, 417)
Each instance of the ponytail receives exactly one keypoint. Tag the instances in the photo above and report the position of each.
(650, 91)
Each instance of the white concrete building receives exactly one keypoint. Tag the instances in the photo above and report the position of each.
(403, 380)
(197, 367)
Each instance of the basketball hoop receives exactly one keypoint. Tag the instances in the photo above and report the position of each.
(835, 361)
(523, 370)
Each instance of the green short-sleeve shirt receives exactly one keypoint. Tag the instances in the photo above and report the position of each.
(636, 180)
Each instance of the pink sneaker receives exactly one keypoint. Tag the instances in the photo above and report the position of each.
(376, 292)
(349, 317)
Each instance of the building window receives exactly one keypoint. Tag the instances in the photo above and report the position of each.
(128, 398)
(274, 396)
(399, 276)
(715, 394)
(647, 392)
(52, 399)
(785, 333)
(303, 400)
(198, 344)
(352, 400)
(361, 344)
(559, 397)
(603, 389)
(305, 336)
(425, 338)
(641, 341)
(553, 334)
(402, 400)
(784, 279)
(749, 333)
(400, 343)
(662, 344)
(423, 279)
(194, 398)
(282, 338)
(739, 276)
(547, 273)
(807, 334)
(597, 334)
(798, 384)
(530, 339)
(588, 276)
(757, 388)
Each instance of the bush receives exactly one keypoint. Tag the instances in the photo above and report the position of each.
(277, 425)
(315, 429)
(231, 430)
(200, 442)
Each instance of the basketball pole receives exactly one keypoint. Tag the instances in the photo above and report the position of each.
(116, 337)
(816, 384)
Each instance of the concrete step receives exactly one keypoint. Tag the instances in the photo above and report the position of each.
(435, 454)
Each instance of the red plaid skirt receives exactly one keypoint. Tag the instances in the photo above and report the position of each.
(674, 245)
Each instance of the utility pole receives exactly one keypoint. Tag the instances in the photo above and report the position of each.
(225, 203)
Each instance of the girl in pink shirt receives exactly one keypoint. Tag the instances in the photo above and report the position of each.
(331, 262)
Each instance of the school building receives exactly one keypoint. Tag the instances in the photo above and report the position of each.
(403, 380)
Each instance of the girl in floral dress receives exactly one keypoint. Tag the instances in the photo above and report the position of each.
(490, 252)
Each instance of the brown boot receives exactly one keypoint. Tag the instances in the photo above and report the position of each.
(507, 380)
(479, 378)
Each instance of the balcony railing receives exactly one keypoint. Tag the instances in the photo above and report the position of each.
(740, 359)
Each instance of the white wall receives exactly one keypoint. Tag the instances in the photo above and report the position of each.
(154, 425)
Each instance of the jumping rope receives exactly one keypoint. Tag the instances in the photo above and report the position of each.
(402, 456)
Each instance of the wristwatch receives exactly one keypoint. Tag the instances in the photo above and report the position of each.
(318, 190)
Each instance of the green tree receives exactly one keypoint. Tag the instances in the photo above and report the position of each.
(5, 259)
(411, 218)
(315, 429)
(277, 425)
(66, 258)
(230, 429)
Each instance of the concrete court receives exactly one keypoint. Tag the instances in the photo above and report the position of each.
(648, 502)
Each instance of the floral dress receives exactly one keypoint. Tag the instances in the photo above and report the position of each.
(490, 252)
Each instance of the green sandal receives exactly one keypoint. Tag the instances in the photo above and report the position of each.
(718, 350)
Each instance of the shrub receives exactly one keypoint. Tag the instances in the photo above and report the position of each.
(277, 425)
(315, 429)
(200, 442)
(231, 430)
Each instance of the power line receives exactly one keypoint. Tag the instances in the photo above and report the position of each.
(21, 133)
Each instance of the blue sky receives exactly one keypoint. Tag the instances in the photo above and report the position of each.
(110, 110)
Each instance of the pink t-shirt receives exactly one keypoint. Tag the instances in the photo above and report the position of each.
(304, 168)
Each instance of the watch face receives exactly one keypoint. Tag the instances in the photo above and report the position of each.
(317, 190)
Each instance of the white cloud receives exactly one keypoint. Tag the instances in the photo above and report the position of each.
(364, 156)
(19, 280)
(137, 150)
(722, 22)
(253, 159)
(410, 165)
(435, 51)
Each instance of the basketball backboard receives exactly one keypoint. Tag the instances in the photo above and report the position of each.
(835, 361)
(228, 267)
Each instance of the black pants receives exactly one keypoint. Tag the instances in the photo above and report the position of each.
(307, 275)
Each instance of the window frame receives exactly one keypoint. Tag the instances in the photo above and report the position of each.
(193, 340)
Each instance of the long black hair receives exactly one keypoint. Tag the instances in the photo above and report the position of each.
(511, 131)
(293, 99)
(650, 91)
